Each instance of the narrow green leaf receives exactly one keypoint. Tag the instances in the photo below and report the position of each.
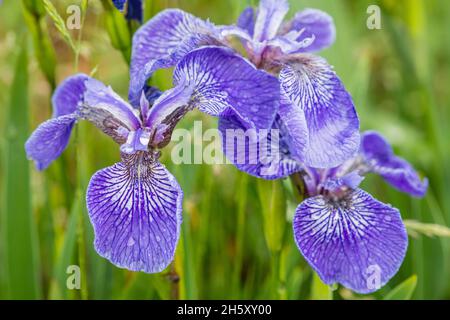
(273, 203)
(66, 256)
(21, 248)
(241, 199)
(118, 30)
(34, 16)
(59, 23)
(319, 290)
(404, 290)
(428, 229)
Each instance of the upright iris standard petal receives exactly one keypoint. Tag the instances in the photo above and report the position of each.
(380, 158)
(333, 125)
(246, 20)
(224, 81)
(69, 95)
(49, 140)
(158, 43)
(317, 25)
(270, 16)
(357, 241)
(108, 111)
(135, 207)
(167, 111)
(259, 152)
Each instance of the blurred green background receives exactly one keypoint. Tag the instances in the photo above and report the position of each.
(399, 79)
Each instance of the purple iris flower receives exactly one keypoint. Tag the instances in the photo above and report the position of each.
(135, 205)
(265, 34)
(133, 8)
(327, 131)
(345, 234)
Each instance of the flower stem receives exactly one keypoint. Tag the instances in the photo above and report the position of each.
(174, 279)
(299, 186)
(278, 275)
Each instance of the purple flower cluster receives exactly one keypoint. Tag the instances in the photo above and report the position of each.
(135, 205)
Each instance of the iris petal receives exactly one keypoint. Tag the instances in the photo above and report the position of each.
(294, 128)
(396, 171)
(167, 111)
(246, 20)
(108, 111)
(49, 140)
(357, 241)
(135, 208)
(162, 41)
(270, 16)
(134, 10)
(317, 25)
(333, 125)
(69, 95)
(258, 152)
(119, 4)
(224, 81)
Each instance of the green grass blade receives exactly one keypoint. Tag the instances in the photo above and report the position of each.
(66, 256)
(273, 208)
(428, 229)
(404, 290)
(118, 31)
(34, 16)
(59, 24)
(19, 229)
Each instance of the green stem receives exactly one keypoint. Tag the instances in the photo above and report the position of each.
(80, 228)
(174, 279)
(240, 233)
(299, 186)
(278, 278)
(84, 7)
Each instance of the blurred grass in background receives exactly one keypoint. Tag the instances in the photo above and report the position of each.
(399, 79)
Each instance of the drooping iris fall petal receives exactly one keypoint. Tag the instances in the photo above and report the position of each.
(380, 158)
(225, 82)
(332, 123)
(50, 139)
(356, 241)
(135, 208)
(262, 153)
